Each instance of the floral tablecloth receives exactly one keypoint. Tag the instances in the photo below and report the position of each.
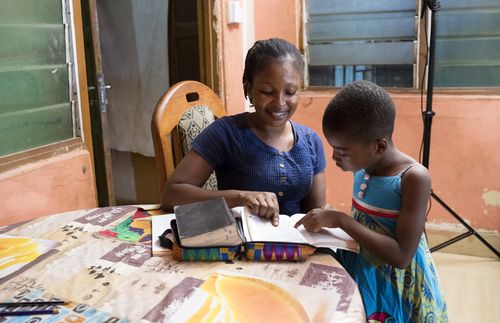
(108, 280)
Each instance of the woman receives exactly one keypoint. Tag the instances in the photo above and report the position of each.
(262, 159)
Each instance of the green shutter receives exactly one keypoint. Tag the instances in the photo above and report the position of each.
(35, 104)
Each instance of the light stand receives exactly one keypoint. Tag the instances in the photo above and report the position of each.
(427, 116)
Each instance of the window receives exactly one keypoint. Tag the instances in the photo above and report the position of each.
(379, 41)
(362, 39)
(38, 90)
(468, 44)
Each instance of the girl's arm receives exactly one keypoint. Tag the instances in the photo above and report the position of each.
(397, 251)
(184, 186)
(317, 195)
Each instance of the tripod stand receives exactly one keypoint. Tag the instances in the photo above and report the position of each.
(427, 116)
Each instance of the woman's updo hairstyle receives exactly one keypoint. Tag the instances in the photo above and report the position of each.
(266, 51)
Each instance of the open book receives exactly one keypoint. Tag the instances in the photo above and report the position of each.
(252, 228)
(257, 229)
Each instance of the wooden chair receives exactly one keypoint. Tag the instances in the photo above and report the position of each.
(173, 106)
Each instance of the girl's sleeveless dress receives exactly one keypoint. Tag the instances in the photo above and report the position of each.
(391, 294)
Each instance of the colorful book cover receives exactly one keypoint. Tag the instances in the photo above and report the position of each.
(19, 252)
(134, 229)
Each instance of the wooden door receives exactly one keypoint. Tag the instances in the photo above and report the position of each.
(192, 42)
(183, 48)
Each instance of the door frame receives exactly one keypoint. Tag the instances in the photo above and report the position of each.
(98, 103)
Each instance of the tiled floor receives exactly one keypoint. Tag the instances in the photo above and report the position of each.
(471, 287)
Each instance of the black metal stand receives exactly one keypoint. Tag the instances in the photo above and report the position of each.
(427, 116)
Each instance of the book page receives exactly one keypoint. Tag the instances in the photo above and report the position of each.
(261, 229)
(333, 238)
(237, 211)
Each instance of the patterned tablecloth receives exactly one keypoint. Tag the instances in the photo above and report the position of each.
(108, 280)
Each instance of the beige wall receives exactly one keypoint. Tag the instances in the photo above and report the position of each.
(465, 133)
(230, 78)
(277, 18)
(57, 184)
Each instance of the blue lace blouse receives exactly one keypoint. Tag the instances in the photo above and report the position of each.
(243, 162)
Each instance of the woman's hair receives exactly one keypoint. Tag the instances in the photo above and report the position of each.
(362, 110)
(266, 51)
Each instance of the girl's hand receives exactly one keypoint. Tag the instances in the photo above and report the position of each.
(328, 206)
(316, 219)
(264, 204)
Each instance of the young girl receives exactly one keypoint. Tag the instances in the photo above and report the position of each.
(262, 159)
(394, 269)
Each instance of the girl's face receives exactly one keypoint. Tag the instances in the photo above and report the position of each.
(352, 155)
(275, 93)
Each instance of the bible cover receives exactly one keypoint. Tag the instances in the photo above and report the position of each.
(259, 251)
(207, 223)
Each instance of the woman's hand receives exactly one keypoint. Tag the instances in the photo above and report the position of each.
(316, 219)
(264, 204)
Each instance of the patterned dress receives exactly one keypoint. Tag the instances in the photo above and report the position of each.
(391, 294)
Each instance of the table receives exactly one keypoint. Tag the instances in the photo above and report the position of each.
(107, 280)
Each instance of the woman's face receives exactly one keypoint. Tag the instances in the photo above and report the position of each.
(275, 93)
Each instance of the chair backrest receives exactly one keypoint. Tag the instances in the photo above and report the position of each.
(171, 108)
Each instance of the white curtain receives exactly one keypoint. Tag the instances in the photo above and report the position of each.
(135, 62)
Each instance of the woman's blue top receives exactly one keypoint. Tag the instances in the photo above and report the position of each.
(244, 162)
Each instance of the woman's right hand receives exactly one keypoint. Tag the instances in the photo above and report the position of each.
(264, 204)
